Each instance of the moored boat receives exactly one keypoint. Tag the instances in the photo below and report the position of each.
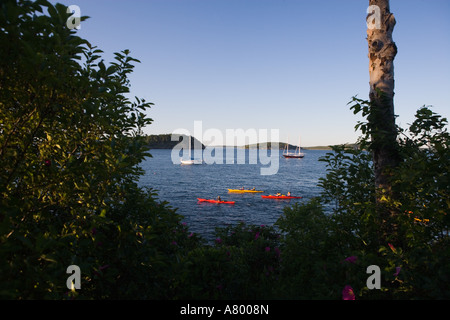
(293, 155)
(191, 161)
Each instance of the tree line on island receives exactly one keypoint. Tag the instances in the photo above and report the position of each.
(169, 141)
(165, 141)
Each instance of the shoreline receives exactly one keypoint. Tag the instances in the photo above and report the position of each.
(163, 141)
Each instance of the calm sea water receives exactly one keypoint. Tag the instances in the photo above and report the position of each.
(181, 185)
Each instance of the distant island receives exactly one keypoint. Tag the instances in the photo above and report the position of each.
(267, 145)
(164, 141)
(282, 145)
(347, 145)
(318, 148)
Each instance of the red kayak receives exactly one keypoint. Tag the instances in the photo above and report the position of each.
(280, 197)
(214, 201)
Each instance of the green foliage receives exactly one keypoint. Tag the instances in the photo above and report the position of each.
(243, 263)
(308, 253)
(415, 269)
(70, 146)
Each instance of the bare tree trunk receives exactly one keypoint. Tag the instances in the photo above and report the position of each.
(382, 51)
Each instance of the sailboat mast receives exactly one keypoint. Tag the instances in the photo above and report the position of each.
(287, 146)
(190, 157)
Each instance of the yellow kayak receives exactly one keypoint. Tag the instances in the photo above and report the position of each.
(243, 191)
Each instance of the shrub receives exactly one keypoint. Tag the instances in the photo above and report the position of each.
(70, 145)
(242, 263)
(325, 251)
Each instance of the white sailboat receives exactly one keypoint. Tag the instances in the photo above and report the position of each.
(296, 155)
(191, 160)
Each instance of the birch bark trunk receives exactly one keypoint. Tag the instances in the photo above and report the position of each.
(382, 51)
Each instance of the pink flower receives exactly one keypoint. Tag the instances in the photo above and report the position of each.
(267, 249)
(397, 271)
(392, 248)
(348, 293)
(190, 236)
(351, 259)
(256, 235)
(218, 241)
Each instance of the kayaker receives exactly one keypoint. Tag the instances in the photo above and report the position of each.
(218, 198)
(278, 194)
(289, 194)
(253, 189)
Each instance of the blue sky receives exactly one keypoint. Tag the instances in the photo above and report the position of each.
(291, 65)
